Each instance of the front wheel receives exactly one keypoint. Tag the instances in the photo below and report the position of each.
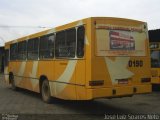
(45, 91)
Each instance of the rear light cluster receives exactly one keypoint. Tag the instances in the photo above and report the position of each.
(96, 83)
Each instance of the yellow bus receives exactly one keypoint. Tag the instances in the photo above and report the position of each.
(96, 57)
(154, 39)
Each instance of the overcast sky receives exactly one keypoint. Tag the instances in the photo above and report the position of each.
(52, 13)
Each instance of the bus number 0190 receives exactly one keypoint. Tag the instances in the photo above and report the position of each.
(135, 63)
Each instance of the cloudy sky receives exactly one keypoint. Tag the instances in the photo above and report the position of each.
(23, 17)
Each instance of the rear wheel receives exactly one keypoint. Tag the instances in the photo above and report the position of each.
(45, 91)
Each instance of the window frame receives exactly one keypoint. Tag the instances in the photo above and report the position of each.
(49, 49)
(33, 50)
(22, 52)
(80, 57)
(65, 42)
(16, 51)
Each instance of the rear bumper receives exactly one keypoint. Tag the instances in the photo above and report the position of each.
(117, 91)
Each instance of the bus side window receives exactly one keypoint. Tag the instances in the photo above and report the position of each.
(71, 42)
(32, 49)
(80, 41)
(13, 51)
(22, 50)
(66, 43)
(6, 58)
(60, 44)
(46, 47)
(51, 42)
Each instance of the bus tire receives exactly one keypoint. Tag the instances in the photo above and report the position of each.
(45, 91)
(12, 81)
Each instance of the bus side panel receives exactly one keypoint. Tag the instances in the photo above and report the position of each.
(27, 75)
(20, 79)
(47, 69)
(17, 69)
(65, 79)
(80, 80)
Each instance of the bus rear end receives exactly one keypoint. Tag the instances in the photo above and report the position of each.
(120, 64)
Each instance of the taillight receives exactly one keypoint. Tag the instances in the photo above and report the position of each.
(96, 83)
